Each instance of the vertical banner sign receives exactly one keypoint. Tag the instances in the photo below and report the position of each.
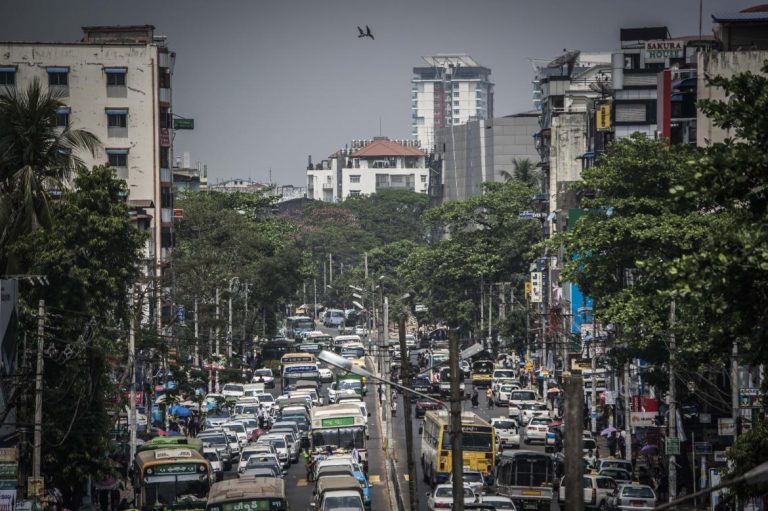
(537, 284)
(603, 118)
(8, 334)
(9, 470)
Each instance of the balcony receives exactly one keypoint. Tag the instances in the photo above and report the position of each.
(327, 186)
(164, 95)
(165, 175)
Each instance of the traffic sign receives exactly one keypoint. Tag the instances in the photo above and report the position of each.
(702, 448)
(673, 446)
(183, 124)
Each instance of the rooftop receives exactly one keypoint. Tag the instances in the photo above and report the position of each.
(386, 147)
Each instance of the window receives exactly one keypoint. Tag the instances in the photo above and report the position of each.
(164, 78)
(62, 117)
(455, 103)
(165, 160)
(354, 193)
(456, 112)
(165, 117)
(117, 117)
(58, 76)
(423, 178)
(8, 76)
(455, 94)
(116, 76)
(117, 157)
(354, 178)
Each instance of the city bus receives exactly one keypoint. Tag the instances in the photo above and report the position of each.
(478, 445)
(297, 325)
(172, 442)
(248, 494)
(292, 373)
(297, 358)
(172, 478)
(340, 428)
(482, 372)
(324, 340)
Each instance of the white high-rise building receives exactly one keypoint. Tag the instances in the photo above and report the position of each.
(116, 83)
(453, 89)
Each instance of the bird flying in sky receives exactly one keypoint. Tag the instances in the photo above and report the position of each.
(367, 32)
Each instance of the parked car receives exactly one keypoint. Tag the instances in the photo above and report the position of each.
(634, 497)
(442, 497)
(598, 491)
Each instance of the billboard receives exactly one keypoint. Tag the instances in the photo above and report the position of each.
(8, 331)
(661, 50)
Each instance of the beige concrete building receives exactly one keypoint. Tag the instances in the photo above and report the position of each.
(115, 83)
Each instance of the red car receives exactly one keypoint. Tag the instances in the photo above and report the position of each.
(422, 405)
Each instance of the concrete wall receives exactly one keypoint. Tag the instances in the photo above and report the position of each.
(88, 98)
(569, 142)
(513, 139)
(726, 64)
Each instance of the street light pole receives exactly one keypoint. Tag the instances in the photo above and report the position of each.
(409, 447)
(457, 452)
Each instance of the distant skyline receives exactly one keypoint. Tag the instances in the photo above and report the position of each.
(271, 82)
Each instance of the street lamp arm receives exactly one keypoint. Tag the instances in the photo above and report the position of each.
(335, 360)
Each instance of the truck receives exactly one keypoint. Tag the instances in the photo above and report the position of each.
(341, 492)
(528, 478)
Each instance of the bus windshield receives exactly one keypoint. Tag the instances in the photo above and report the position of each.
(170, 491)
(482, 367)
(265, 504)
(471, 441)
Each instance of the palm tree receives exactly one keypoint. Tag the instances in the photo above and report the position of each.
(35, 156)
(525, 171)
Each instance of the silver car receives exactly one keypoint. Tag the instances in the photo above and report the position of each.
(633, 496)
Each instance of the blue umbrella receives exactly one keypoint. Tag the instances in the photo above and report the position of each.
(180, 411)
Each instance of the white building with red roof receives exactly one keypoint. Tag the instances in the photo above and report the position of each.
(364, 167)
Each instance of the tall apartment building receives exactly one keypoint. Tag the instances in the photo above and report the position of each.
(365, 167)
(115, 83)
(452, 89)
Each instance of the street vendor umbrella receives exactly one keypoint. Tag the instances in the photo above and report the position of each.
(607, 431)
(649, 449)
(180, 411)
(553, 390)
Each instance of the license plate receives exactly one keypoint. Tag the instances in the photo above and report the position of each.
(638, 503)
(530, 505)
(531, 493)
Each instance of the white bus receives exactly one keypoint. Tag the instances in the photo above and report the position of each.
(340, 429)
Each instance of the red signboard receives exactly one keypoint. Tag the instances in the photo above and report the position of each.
(165, 137)
(178, 213)
(644, 404)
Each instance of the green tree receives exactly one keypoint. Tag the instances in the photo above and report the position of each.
(90, 256)
(525, 171)
(391, 215)
(35, 156)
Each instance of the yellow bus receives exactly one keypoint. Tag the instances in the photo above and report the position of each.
(252, 494)
(482, 373)
(478, 445)
(173, 478)
(172, 442)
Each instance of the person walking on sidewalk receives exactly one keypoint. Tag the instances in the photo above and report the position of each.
(489, 395)
(475, 398)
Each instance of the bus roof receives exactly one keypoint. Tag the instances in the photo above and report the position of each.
(246, 488)
(442, 417)
(298, 317)
(298, 354)
(174, 454)
(337, 409)
(172, 442)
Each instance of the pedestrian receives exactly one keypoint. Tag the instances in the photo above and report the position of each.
(475, 398)
(489, 395)
(612, 444)
(623, 446)
(394, 406)
(308, 464)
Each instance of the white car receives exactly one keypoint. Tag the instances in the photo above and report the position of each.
(633, 496)
(472, 478)
(264, 375)
(498, 502)
(442, 497)
(233, 390)
(518, 397)
(528, 410)
(281, 447)
(238, 428)
(598, 491)
(507, 434)
(326, 375)
(504, 391)
(536, 429)
(212, 455)
(254, 450)
(361, 330)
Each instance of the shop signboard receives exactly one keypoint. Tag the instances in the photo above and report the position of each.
(673, 446)
(750, 398)
(661, 50)
(726, 426)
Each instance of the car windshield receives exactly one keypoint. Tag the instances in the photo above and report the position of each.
(238, 428)
(539, 421)
(473, 477)
(504, 424)
(642, 492)
(213, 439)
(523, 395)
(233, 387)
(265, 398)
(279, 443)
(447, 491)
(350, 503)
(263, 372)
(503, 374)
(507, 388)
(211, 456)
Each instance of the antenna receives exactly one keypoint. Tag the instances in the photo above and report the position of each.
(270, 175)
(379, 125)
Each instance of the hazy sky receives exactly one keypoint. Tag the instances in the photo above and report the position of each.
(269, 82)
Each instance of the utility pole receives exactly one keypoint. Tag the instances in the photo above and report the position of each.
(229, 323)
(627, 414)
(132, 371)
(245, 341)
(490, 313)
(197, 339)
(217, 321)
(314, 288)
(409, 447)
(672, 465)
(38, 436)
(457, 452)
(593, 361)
(735, 391)
(574, 467)
(210, 369)
(366, 265)
(330, 268)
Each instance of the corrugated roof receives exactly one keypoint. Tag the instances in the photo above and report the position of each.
(140, 203)
(386, 148)
(740, 17)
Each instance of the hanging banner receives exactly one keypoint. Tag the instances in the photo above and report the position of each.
(537, 287)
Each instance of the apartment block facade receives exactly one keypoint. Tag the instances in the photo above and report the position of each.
(115, 83)
(452, 89)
